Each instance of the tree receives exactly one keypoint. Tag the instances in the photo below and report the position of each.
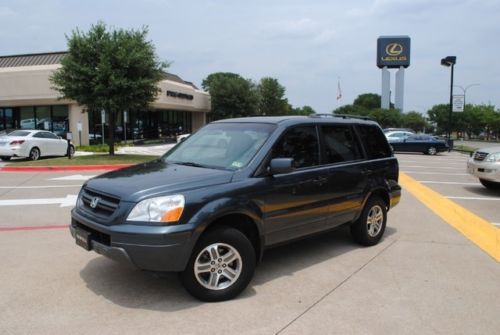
(368, 101)
(272, 99)
(304, 110)
(231, 94)
(387, 117)
(352, 110)
(414, 120)
(110, 70)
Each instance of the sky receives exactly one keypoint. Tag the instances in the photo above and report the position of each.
(309, 46)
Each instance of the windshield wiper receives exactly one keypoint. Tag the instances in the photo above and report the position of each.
(191, 164)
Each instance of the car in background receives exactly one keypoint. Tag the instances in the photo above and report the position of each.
(182, 137)
(485, 165)
(426, 144)
(33, 144)
(397, 135)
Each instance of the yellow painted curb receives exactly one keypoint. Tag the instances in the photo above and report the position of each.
(479, 231)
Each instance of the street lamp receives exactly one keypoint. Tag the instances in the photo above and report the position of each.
(450, 61)
(465, 90)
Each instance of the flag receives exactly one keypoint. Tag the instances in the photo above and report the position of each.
(339, 91)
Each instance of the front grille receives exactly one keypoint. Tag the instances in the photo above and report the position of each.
(98, 203)
(480, 156)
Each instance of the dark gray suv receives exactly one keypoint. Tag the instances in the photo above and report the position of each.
(210, 207)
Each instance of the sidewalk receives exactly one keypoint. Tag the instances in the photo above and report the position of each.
(153, 150)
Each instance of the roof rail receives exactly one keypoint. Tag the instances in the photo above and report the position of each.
(343, 116)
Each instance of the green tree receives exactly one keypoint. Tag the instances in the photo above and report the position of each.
(368, 101)
(352, 110)
(305, 110)
(386, 117)
(438, 115)
(111, 70)
(272, 99)
(231, 95)
(415, 121)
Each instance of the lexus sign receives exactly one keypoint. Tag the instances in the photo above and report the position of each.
(393, 51)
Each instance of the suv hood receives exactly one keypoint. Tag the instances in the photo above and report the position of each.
(156, 178)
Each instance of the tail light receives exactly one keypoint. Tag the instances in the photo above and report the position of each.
(17, 142)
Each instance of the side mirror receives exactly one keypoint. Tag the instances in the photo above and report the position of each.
(281, 166)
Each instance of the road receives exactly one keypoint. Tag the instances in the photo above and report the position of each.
(423, 278)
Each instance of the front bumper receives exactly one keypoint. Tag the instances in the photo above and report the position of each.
(484, 170)
(153, 248)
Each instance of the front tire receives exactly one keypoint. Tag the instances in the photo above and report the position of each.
(490, 184)
(34, 154)
(221, 265)
(5, 158)
(71, 151)
(431, 151)
(370, 226)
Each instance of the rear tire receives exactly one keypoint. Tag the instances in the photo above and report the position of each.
(5, 158)
(370, 226)
(34, 154)
(221, 265)
(431, 151)
(490, 184)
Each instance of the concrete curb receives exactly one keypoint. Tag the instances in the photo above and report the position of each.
(108, 167)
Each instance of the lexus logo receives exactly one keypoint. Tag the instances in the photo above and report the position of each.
(94, 202)
(394, 49)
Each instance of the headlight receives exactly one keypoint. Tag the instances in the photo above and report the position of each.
(493, 157)
(161, 209)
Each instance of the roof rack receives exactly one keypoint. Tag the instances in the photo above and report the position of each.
(343, 116)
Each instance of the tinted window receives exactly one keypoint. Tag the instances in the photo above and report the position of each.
(374, 142)
(51, 136)
(19, 133)
(340, 144)
(301, 144)
(38, 135)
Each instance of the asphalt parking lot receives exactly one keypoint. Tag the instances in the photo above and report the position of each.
(423, 278)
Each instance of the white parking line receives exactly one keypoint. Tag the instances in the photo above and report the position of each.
(431, 167)
(36, 187)
(446, 182)
(439, 173)
(473, 198)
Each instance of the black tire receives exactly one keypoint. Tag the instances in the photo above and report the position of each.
(362, 230)
(431, 151)
(71, 151)
(34, 154)
(5, 158)
(222, 239)
(490, 184)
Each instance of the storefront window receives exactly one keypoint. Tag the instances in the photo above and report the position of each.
(27, 118)
(59, 120)
(9, 118)
(43, 117)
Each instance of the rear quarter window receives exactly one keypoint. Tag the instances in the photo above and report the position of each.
(374, 141)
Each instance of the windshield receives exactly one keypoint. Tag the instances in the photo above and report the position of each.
(221, 145)
(19, 133)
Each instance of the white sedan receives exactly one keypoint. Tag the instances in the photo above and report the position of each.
(32, 144)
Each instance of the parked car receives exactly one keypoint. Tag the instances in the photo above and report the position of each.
(32, 144)
(426, 144)
(398, 135)
(485, 165)
(386, 130)
(211, 206)
(182, 137)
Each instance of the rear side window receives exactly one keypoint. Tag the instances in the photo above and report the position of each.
(340, 144)
(301, 144)
(374, 141)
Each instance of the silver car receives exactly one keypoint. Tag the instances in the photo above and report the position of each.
(485, 164)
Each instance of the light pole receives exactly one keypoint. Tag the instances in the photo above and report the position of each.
(450, 61)
(465, 90)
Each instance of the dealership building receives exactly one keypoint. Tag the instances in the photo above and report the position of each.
(28, 101)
